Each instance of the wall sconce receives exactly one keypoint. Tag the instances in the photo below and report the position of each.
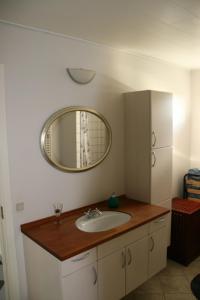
(81, 76)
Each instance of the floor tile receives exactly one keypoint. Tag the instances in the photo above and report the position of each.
(194, 264)
(144, 296)
(172, 269)
(151, 286)
(190, 276)
(192, 270)
(174, 284)
(197, 259)
(179, 297)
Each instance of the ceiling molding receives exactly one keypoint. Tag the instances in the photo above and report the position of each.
(139, 55)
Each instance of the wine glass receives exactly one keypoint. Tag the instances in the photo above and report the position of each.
(58, 207)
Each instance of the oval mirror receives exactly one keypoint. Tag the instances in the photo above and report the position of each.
(75, 139)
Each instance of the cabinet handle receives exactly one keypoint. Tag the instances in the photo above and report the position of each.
(2, 212)
(154, 159)
(81, 257)
(153, 138)
(153, 244)
(123, 260)
(130, 257)
(95, 275)
(160, 220)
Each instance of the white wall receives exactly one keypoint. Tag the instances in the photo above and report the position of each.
(7, 232)
(195, 120)
(37, 85)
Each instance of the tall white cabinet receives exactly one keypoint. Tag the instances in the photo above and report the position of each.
(148, 147)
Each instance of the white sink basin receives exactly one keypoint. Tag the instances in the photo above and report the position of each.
(107, 220)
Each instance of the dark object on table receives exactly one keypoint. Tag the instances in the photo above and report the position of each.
(185, 237)
(195, 286)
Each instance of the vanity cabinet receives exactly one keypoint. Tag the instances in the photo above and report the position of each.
(111, 279)
(126, 262)
(107, 272)
(158, 242)
(51, 279)
(123, 271)
(81, 284)
(122, 264)
(137, 264)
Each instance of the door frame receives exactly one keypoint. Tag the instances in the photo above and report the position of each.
(7, 234)
(5, 275)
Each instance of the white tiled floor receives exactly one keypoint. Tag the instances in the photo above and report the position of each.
(173, 283)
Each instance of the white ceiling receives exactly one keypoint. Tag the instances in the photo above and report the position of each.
(165, 29)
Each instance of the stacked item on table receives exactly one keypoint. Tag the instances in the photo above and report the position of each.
(192, 184)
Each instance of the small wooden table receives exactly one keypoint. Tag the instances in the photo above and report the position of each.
(185, 231)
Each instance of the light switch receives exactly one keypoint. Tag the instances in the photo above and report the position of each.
(20, 206)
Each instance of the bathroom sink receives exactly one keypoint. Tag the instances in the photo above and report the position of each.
(105, 221)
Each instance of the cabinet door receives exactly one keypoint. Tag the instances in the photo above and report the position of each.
(161, 119)
(111, 276)
(81, 285)
(161, 174)
(157, 251)
(137, 264)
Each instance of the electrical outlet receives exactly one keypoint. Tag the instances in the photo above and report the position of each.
(20, 206)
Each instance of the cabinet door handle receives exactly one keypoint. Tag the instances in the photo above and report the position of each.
(95, 275)
(123, 260)
(153, 244)
(81, 257)
(2, 212)
(160, 220)
(129, 257)
(154, 159)
(154, 139)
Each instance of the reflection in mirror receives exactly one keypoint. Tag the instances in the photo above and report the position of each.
(76, 139)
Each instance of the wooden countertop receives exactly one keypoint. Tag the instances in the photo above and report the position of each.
(66, 240)
(185, 206)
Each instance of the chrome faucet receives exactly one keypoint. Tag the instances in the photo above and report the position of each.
(93, 213)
